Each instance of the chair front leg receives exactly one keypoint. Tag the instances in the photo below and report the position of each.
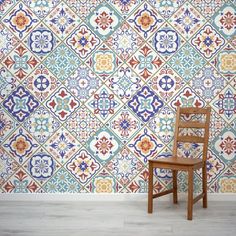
(150, 189)
(204, 185)
(190, 194)
(175, 189)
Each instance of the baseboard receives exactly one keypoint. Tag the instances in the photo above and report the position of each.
(104, 197)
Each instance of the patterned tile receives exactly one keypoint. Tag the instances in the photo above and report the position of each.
(124, 41)
(83, 166)
(83, 124)
(41, 124)
(145, 62)
(104, 62)
(224, 20)
(145, 20)
(20, 145)
(6, 6)
(83, 83)
(145, 145)
(62, 104)
(145, 104)
(62, 62)
(20, 62)
(104, 20)
(20, 20)
(186, 62)
(62, 182)
(124, 83)
(103, 104)
(8, 83)
(62, 145)
(8, 166)
(83, 41)
(187, 20)
(7, 124)
(20, 104)
(62, 20)
(8, 41)
(166, 83)
(103, 145)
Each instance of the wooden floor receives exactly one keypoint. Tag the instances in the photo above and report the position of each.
(117, 218)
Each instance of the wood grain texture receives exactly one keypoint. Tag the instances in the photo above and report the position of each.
(115, 218)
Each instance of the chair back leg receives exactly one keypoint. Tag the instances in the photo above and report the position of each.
(190, 194)
(204, 185)
(175, 188)
(150, 189)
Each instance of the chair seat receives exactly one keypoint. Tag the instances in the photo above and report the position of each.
(178, 161)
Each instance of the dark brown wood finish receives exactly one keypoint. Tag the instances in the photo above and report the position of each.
(176, 163)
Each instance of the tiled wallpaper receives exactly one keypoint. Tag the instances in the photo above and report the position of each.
(89, 91)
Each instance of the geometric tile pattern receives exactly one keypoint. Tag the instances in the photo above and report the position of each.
(89, 90)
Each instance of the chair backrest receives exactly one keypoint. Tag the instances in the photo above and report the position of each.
(185, 138)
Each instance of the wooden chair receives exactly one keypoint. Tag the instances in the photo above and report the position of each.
(176, 163)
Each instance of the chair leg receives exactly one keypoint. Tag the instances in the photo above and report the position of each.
(175, 190)
(190, 194)
(150, 189)
(204, 185)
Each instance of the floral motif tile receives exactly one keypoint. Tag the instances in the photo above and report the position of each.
(83, 7)
(145, 104)
(8, 41)
(166, 41)
(21, 20)
(104, 145)
(225, 62)
(124, 124)
(124, 166)
(8, 166)
(224, 20)
(83, 124)
(225, 103)
(62, 182)
(124, 41)
(187, 98)
(163, 124)
(207, 83)
(145, 20)
(166, 8)
(207, 41)
(83, 83)
(21, 145)
(20, 104)
(187, 62)
(21, 182)
(208, 8)
(104, 183)
(83, 41)
(62, 145)
(83, 166)
(62, 20)
(103, 104)
(41, 166)
(41, 124)
(41, 8)
(7, 124)
(145, 145)
(104, 62)
(187, 20)
(6, 6)
(224, 145)
(124, 83)
(20, 62)
(41, 83)
(166, 83)
(62, 104)
(62, 62)
(41, 41)
(104, 20)
(145, 62)
(8, 83)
